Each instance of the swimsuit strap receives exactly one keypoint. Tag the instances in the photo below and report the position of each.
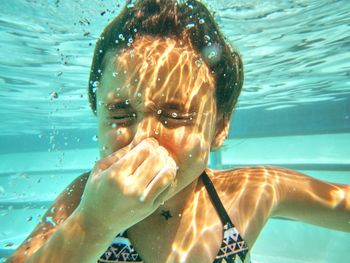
(215, 199)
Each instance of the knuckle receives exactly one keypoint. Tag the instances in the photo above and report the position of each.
(132, 192)
(167, 177)
(111, 177)
(100, 165)
(151, 142)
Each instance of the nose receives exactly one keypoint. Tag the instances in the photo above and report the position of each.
(148, 127)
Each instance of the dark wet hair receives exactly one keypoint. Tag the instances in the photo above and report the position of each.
(189, 21)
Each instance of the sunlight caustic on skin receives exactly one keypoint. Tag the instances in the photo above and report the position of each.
(156, 85)
(160, 95)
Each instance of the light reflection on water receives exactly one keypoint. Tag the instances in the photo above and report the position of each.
(294, 52)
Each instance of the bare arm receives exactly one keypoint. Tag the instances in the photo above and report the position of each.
(311, 200)
(123, 189)
(61, 230)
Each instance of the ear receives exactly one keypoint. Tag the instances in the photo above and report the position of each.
(222, 128)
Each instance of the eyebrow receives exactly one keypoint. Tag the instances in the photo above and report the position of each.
(117, 105)
(175, 105)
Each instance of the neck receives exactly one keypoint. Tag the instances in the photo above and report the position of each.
(177, 203)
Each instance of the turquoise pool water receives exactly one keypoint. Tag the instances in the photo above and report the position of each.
(294, 110)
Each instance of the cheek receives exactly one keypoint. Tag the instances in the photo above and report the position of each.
(112, 139)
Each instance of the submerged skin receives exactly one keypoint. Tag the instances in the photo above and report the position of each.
(151, 160)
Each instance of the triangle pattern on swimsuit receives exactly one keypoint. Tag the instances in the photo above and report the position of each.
(233, 248)
(120, 250)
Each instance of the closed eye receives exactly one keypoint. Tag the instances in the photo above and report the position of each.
(176, 120)
(124, 120)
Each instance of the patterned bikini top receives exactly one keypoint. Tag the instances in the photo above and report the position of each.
(233, 248)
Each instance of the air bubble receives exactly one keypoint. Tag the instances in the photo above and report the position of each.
(201, 21)
(159, 111)
(212, 54)
(198, 62)
(139, 94)
(9, 244)
(190, 155)
(114, 74)
(49, 219)
(174, 115)
(54, 95)
(131, 5)
(121, 37)
(119, 132)
(127, 102)
(95, 138)
(190, 25)
(156, 132)
(114, 125)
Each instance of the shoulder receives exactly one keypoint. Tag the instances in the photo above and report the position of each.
(268, 174)
(248, 195)
(244, 175)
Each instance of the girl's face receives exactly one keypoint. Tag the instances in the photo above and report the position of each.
(159, 89)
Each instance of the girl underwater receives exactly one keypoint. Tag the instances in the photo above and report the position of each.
(163, 84)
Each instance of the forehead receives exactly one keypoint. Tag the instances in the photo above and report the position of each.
(159, 70)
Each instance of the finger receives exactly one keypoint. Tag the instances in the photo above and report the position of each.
(161, 197)
(142, 150)
(150, 167)
(160, 183)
